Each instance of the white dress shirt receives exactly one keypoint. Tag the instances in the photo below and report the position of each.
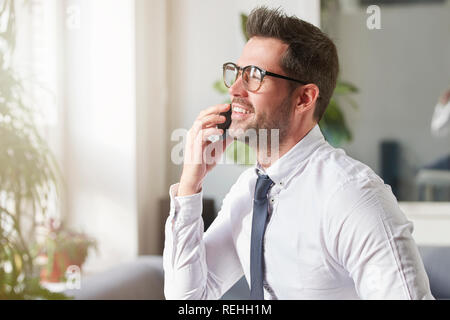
(335, 231)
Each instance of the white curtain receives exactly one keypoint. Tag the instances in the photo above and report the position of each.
(100, 126)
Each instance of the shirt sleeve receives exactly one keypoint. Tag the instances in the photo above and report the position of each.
(372, 240)
(198, 265)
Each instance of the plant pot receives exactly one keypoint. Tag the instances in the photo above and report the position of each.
(61, 262)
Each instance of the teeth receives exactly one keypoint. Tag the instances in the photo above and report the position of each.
(237, 109)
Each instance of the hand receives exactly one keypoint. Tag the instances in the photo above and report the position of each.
(201, 155)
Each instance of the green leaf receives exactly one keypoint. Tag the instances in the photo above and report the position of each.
(349, 100)
(220, 87)
(333, 125)
(240, 153)
(344, 88)
(244, 19)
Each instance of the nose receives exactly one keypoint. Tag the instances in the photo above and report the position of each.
(238, 89)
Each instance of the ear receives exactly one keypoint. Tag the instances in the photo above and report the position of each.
(307, 96)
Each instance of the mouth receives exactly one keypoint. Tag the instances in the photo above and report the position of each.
(240, 112)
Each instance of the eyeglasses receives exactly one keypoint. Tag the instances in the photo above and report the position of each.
(252, 76)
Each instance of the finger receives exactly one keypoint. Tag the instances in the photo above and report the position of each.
(221, 145)
(214, 110)
(207, 133)
(213, 153)
(208, 121)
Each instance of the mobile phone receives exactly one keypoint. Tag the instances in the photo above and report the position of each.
(224, 126)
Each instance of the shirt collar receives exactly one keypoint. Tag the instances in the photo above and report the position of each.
(281, 171)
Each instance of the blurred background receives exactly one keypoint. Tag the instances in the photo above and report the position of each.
(93, 90)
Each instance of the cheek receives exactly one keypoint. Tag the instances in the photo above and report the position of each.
(268, 99)
(263, 104)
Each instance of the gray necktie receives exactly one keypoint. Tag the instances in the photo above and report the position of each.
(260, 207)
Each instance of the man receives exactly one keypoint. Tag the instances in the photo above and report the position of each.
(440, 122)
(440, 127)
(311, 223)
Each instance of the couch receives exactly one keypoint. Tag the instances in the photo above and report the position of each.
(143, 279)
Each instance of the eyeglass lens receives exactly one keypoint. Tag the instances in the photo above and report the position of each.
(251, 76)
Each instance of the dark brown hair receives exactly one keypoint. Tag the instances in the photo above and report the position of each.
(311, 56)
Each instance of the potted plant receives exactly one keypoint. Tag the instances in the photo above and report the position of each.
(333, 123)
(63, 247)
(29, 175)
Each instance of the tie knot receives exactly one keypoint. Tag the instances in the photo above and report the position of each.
(263, 185)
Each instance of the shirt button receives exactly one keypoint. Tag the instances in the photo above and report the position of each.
(272, 200)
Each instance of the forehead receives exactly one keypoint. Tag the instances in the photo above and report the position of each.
(263, 52)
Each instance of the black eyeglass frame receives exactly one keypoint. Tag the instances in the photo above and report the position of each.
(262, 71)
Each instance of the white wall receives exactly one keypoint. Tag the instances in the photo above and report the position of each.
(202, 36)
(100, 129)
(151, 111)
(401, 71)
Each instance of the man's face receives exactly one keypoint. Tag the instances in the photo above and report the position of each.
(269, 107)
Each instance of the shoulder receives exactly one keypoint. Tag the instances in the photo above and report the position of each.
(350, 185)
(341, 168)
(362, 204)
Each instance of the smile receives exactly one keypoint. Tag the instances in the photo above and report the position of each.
(240, 110)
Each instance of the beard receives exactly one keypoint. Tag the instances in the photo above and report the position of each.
(278, 120)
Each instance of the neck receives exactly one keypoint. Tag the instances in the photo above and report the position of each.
(266, 158)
